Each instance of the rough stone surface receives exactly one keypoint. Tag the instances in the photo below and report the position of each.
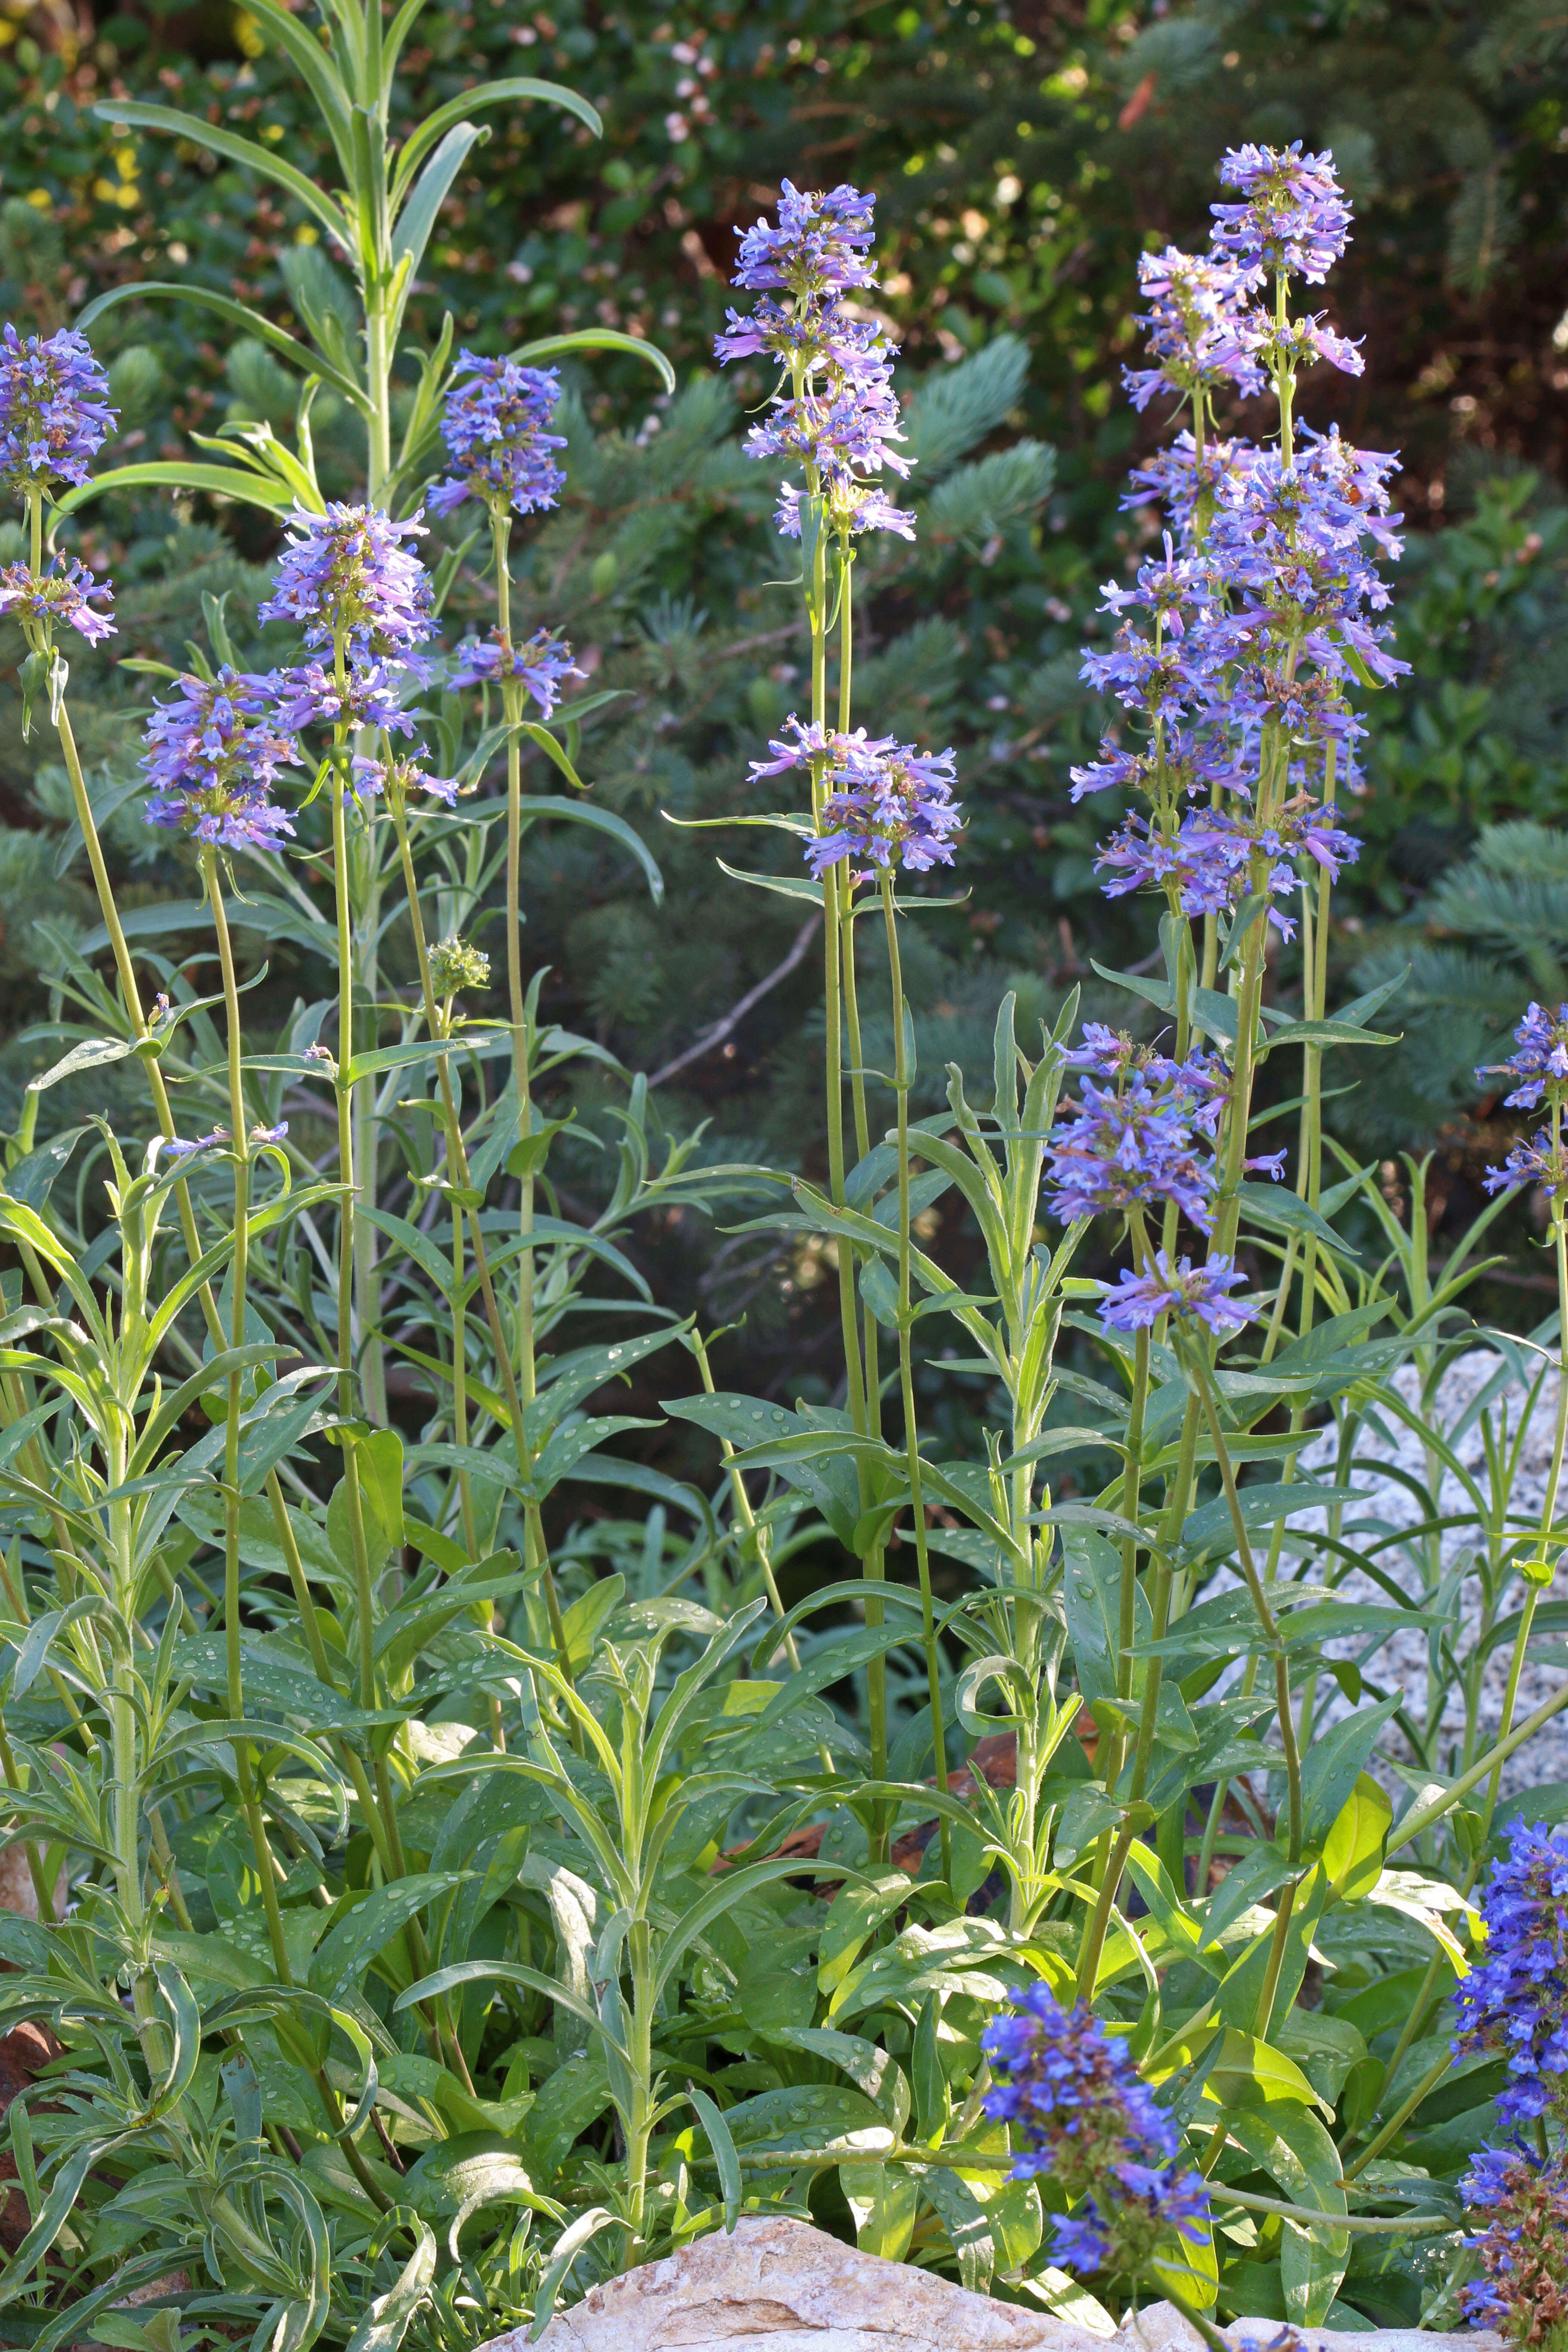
(1161, 2328)
(777, 2285)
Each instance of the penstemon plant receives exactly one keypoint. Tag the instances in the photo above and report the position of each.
(438, 1906)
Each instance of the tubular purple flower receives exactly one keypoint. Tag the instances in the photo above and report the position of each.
(213, 758)
(61, 594)
(346, 577)
(1071, 2093)
(1139, 1299)
(818, 246)
(1293, 216)
(371, 694)
(539, 664)
(890, 803)
(54, 409)
(1540, 1059)
(494, 425)
(1192, 326)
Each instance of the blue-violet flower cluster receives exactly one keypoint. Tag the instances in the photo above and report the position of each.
(1522, 2252)
(54, 409)
(1071, 2093)
(213, 756)
(882, 802)
(1515, 2000)
(495, 424)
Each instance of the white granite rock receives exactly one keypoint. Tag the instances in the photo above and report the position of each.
(777, 2285)
(1161, 2328)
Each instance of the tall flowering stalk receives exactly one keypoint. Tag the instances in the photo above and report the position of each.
(1080, 2116)
(495, 428)
(837, 422)
(1234, 657)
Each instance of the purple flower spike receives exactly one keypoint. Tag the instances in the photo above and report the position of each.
(538, 665)
(494, 425)
(346, 577)
(1075, 2107)
(62, 594)
(1515, 2000)
(818, 247)
(212, 757)
(841, 417)
(1523, 2251)
(54, 409)
(1540, 1059)
(1182, 1289)
(1292, 217)
(1194, 327)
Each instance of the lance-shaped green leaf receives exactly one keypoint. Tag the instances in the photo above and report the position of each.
(587, 812)
(515, 88)
(138, 116)
(596, 338)
(239, 314)
(430, 193)
(242, 482)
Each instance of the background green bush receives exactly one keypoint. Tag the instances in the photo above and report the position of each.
(1021, 156)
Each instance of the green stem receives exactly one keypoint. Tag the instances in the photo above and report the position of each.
(1396, 2122)
(457, 1161)
(901, 1081)
(1265, 1617)
(238, 1267)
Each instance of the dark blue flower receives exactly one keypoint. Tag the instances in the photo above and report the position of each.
(1515, 2000)
(1077, 2109)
